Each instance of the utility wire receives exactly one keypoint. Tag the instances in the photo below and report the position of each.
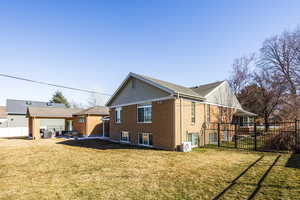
(54, 85)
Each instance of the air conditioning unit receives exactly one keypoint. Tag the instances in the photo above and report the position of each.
(186, 147)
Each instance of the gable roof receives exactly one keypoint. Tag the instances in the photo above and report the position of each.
(171, 88)
(206, 89)
(51, 112)
(96, 110)
(14, 106)
(3, 113)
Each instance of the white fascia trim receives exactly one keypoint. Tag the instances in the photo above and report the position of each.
(139, 78)
(144, 101)
(215, 104)
(214, 89)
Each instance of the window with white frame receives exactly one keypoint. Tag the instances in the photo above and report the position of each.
(145, 139)
(125, 136)
(144, 113)
(193, 112)
(207, 113)
(81, 120)
(118, 114)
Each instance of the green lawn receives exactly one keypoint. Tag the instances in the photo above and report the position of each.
(93, 169)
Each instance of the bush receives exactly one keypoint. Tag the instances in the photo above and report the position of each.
(284, 140)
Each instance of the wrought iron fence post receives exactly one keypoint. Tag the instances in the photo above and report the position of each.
(255, 139)
(296, 136)
(235, 135)
(219, 135)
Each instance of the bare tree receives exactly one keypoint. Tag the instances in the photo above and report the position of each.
(95, 100)
(241, 73)
(280, 55)
(268, 93)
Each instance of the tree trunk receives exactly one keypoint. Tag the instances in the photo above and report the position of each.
(266, 118)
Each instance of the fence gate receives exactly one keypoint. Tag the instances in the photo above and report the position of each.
(274, 136)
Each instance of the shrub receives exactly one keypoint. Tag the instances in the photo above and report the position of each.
(284, 140)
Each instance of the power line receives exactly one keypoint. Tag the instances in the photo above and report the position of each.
(53, 85)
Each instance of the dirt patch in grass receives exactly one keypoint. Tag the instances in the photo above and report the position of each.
(94, 169)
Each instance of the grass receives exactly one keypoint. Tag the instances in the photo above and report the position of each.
(93, 169)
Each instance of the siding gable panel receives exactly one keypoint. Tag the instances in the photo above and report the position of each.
(136, 90)
(223, 96)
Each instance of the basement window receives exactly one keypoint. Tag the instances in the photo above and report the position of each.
(145, 139)
(124, 136)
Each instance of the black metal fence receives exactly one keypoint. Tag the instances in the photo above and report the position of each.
(273, 136)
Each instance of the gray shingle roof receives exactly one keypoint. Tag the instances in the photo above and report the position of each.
(52, 112)
(203, 90)
(14, 106)
(3, 113)
(96, 110)
(170, 86)
(242, 112)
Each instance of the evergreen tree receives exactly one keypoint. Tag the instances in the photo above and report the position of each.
(58, 97)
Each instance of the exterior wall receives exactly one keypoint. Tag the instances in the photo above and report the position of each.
(139, 91)
(184, 124)
(80, 127)
(35, 128)
(94, 125)
(17, 121)
(162, 126)
(200, 127)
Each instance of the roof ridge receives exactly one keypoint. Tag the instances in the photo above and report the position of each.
(208, 84)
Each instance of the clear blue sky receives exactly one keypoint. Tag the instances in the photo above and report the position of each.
(95, 44)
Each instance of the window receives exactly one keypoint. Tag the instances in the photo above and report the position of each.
(213, 138)
(118, 115)
(145, 139)
(193, 112)
(193, 138)
(208, 113)
(28, 103)
(145, 113)
(125, 136)
(81, 120)
(133, 83)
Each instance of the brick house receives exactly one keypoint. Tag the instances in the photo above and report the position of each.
(88, 122)
(155, 113)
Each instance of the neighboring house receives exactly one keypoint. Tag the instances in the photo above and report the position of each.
(16, 123)
(3, 114)
(151, 112)
(88, 122)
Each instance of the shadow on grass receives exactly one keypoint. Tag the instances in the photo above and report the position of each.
(99, 144)
(235, 180)
(293, 161)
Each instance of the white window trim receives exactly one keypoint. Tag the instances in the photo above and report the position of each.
(193, 103)
(118, 109)
(125, 141)
(146, 145)
(147, 105)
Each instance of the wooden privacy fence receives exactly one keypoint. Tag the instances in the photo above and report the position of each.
(273, 136)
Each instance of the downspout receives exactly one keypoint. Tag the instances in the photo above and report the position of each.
(174, 120)
(181, 118)
(181, 121)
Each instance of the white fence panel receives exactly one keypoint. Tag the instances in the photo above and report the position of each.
(14, 132)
